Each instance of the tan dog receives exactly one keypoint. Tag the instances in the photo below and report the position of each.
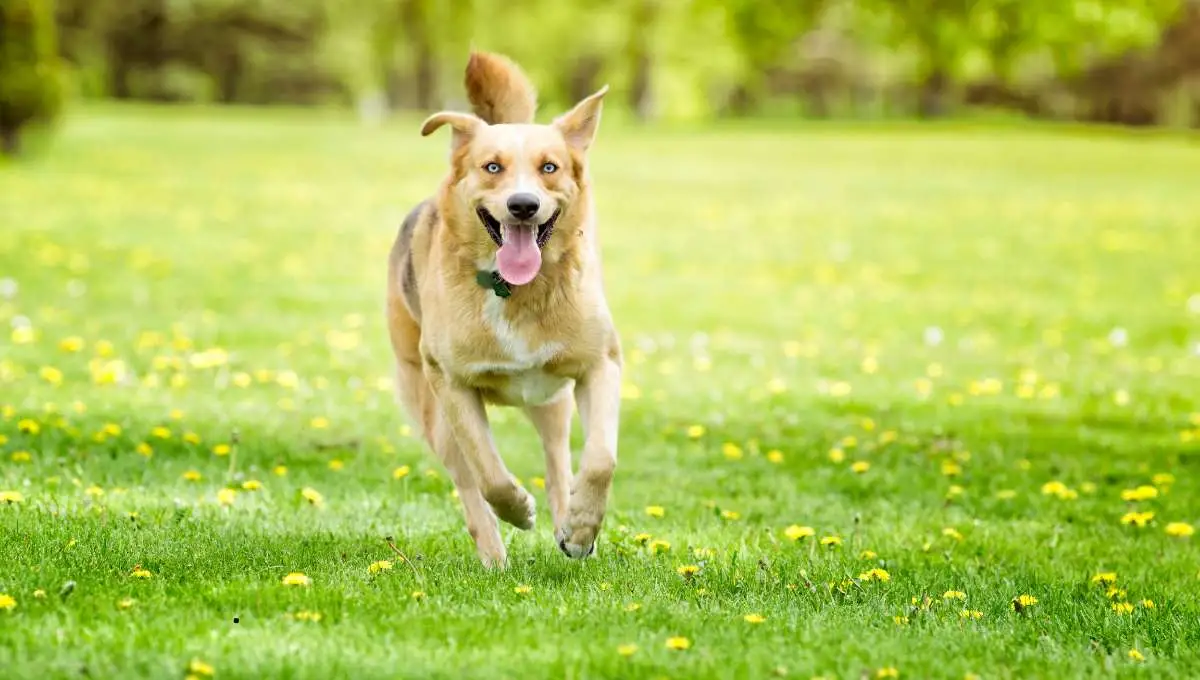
(495, 296)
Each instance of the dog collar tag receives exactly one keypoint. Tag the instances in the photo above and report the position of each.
(493, 281)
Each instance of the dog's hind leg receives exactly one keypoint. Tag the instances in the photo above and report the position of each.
(481, 523)
(553, 424)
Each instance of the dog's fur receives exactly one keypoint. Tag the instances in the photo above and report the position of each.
(459, 345)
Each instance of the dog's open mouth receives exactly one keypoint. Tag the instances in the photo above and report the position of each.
(520, 254)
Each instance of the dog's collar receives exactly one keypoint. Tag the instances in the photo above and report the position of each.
(494, 282)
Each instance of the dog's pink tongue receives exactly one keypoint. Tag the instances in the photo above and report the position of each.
(519, 259)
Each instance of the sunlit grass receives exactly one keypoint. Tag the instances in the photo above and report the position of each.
(921, 400)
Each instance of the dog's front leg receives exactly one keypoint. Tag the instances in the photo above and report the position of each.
(598, 394)
(466, 417)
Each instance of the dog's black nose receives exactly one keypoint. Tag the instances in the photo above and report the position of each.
(523, 206)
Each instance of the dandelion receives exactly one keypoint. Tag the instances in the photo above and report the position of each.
(678, 643)
(775, 456)
(306, 615)
(296, 578)
(1105, 578)
(21, 457)
(627, 650)
(94, 491)
(198, 667)
(381, 565)
(1142, 493)
(860, 466)
(951, 468)
(336, 465)
(1180, 529)
(39, 594)
(51, 375)
(633, 606)
(754, 618)
(71, 345)
(401, 472)
(731, 451)
(655, 511)
(867, 555)
(731, 515)
(140, 573)
(192, 476)
(28, 426)
(796, 532)
(1147, 604)
(144, 449)
(900, 620)
(1137, 519)
(251, 485)
(313, 496)
(1023, 602)
(161, 432)
(887, 672)
(875, 575)
(191, 438)
(1114, 593)
(523, 590)
(695, 431)
(836, 455)
(126, 603)
(1163, 479)
(659, 546)
(1122, 608)
(1137, 656)
(280, 471)
(221, 450)
(971, 614)
(831, 541)
(642, 538)
(226, 497)
(688, 570)
(7, 602)
(418, 595)
(954, 595)
(951, 532)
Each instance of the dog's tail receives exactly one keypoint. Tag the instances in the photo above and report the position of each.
(499, 90)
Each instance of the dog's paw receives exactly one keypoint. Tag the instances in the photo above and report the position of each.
(577, 536)
(514, 505)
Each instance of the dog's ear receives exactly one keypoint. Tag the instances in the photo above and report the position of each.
(578, 126)
(464, 125)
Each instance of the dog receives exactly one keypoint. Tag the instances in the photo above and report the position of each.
(495, 296)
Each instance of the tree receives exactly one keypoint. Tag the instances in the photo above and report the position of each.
(30, 92)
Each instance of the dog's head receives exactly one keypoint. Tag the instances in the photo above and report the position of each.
(515, 182)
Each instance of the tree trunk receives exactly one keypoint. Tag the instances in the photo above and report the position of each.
(10, 141)
(415, 16)
(932, 98)
(639, 49)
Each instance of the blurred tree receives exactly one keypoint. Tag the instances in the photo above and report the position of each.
(30, 91)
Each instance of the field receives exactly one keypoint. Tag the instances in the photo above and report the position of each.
(900, 401)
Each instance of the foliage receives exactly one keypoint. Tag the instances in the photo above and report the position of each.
(30, 90)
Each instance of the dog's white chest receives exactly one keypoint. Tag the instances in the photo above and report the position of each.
(517, 374)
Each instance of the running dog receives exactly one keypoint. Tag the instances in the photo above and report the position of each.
(495, 296)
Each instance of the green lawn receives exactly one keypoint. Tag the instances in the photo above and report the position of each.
(952, 349)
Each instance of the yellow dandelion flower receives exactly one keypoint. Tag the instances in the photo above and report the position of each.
(678, 643)
(221, 450)
(39, 594)
(731, 515)
(94, 491)
(875, 575)
(306, 615)
(251, 485)
(198, 667)
(754, 618)
(951, 532)
(297, 578)
(688, 570)
(659, 546)
(627, 650)
(191, 438)
(1137, 519)
(313, 496)
(319, 423)
(21, 457)
(1147, 604)
(1122, 607)
(51, 375)
(22, 335)
(695, 431)
(144, 449)
(11, 497)
(1024, 601)
(1053, 488)
(860, 466)
(831, 540)
(1180, 529)
(836, 455)
(642, 538)
(192, 476)
(655, 511)
(900, 620)
(523, 590)
(951, 468)
(401, 472)
(775, 456)
(971, 614)
(28, 426)
(71, 345)
(1135, 655)
(633, 607)
(886, 672)
(418, 595)
(140, 573)
(954, 595)
(336, 465)
(867, 555)
(226, 496)
(126, 603)
(1163, 479)
(7, 602)
(279, 470)
(1142, 493)
(1105, 578)
(381, 565)
(731, 451)
(161, 432)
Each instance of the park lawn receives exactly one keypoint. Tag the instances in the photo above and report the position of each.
(880, 383)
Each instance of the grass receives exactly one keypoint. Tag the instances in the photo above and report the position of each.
(1002, 325)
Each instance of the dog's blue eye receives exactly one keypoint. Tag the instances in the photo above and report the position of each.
(493, 167)
(549, 168)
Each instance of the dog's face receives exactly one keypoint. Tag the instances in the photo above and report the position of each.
(516, 181)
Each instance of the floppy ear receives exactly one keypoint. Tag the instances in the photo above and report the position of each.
(463, 124)
(579, 124)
